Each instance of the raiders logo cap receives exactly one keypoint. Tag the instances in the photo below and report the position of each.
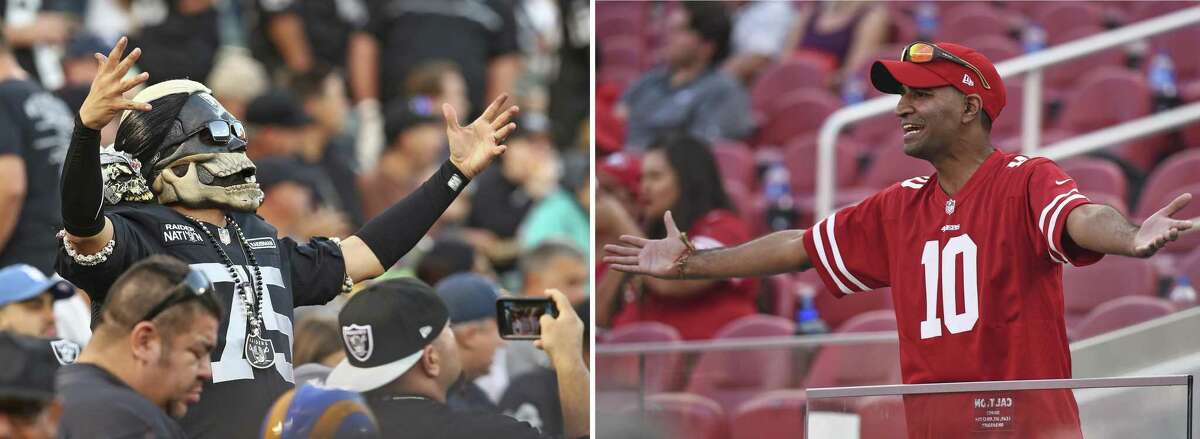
(385, 328)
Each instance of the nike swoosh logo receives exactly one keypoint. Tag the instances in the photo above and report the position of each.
(1059, 183)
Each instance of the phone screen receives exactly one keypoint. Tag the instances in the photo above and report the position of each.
(519, 318)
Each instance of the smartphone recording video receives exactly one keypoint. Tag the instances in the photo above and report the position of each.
(519, 317)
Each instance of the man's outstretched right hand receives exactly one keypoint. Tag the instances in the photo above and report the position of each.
(655, 257)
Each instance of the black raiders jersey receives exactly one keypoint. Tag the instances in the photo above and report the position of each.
(237, 399)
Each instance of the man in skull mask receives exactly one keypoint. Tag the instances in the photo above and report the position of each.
(178, 182)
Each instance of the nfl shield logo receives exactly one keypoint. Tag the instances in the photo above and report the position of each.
(359, 341)
(66, 352)
(949, 207)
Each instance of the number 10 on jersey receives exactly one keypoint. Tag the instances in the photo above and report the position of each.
(947, 258)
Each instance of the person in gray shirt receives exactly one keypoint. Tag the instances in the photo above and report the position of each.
(691, 93)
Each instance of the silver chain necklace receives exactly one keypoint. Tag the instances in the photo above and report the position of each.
(259, 351)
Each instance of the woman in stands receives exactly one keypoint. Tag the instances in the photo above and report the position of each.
(679, 178)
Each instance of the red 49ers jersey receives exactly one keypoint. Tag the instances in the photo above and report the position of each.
(976, 278)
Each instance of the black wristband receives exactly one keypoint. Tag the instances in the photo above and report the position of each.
(82, 184)
(394, 232)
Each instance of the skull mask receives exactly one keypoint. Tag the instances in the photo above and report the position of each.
(202, 162)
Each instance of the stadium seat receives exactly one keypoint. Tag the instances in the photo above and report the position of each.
(881, 416)
(1180, 45)
(731, 377)
(1062, 17)
(1189, 241)
(1085, 288)
(800, 158)
(968, 20)
(662, 370)
(750, 206)
(621, 76)
(1121, 312)
(616, 26)
(1109, 96)
(773, 414)
(799, 113)
(624, 51)
(1094, 175)
(836, 312)
(858, 364)
(736, 162)
(1067, 76)
(998, 48)
(1009, 123)
(1190, 266)
(784, 77)
(891, 165)
(1175, 172)
(687, 416)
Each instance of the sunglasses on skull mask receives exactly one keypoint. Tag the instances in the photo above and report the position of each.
(221, 131)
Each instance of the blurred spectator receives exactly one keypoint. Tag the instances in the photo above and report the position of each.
(179, 38)
(322, 92)
(442, 82)
(690, 93)
(236, 80)
(275, 129)
(317, 341)
(504, 195)
(556, 265)
(416, 145)
(697, 308)
(558, 214)
(79, 69)
(277, 35)
(478, 36)
(761, 33)
(447, 257)
(533, 396)
(35, 129)
(149, 357)
(850, 33)
(28, 409)
(570, 95)
(403, 357)
(471, 300)
(34, 34)
(316, 412)
(27, 301)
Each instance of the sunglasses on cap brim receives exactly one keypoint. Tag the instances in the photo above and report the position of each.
(195, 286)
(922, 52)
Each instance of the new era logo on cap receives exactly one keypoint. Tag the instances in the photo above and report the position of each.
(425, 330)
(967, 80)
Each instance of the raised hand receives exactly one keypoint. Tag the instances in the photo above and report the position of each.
(473, 147)
(1160, 228)
(655, 257)
(106, 99)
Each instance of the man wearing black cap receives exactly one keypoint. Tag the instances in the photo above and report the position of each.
(471, 299)
(402, 356)
(991, 228)
(27, 405)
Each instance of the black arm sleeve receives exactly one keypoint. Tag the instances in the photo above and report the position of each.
(394, 232)
(82, 185)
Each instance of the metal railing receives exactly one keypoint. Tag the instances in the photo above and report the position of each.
(1031, 66)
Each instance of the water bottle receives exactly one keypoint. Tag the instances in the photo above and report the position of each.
(808, 322)
(1033, 37)
(853, 90)
(781, 208)
(927, 20)
(1162, 81)
(1183, 295)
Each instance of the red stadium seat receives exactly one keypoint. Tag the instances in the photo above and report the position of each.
(1190, 241)
(800, 158)
(1062, 17)
(882, 416)
(732, 377)
(1146, 10)
(891, 165)
(1180, 45)
(615, 26)
(687, 416)
(974, 19)
(836, 312)
(1175, 172)
(861, 364)
(998, 48)
(620, 76)
(774, 414)
(662, 370)
(1121, 312)
(736, 162)
(1009, 122)
(750, 206)
(1066, 76)
(624, 51)
(796, 114)
(1085, 288)
(784, 77)
(1093, 175)
(1108, 97)
(1190, 266)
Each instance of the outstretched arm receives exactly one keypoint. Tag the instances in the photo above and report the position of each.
(1102, 229)
(673, 258)
(387, 237)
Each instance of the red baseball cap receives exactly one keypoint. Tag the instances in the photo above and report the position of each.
(887, 76)
(625, 168)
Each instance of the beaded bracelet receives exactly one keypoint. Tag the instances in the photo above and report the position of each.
(87, 260)
(347, 283)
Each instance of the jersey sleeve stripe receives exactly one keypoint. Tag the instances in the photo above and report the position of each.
(1050, 206)
(1054, 220)
(820, 245)
(837, 255)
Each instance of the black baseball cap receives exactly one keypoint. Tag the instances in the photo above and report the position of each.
(406, 112)
(27, 371)
(277, 107)
(385, 328)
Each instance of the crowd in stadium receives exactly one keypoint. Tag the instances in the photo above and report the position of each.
(338, 106)
(711, 111)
